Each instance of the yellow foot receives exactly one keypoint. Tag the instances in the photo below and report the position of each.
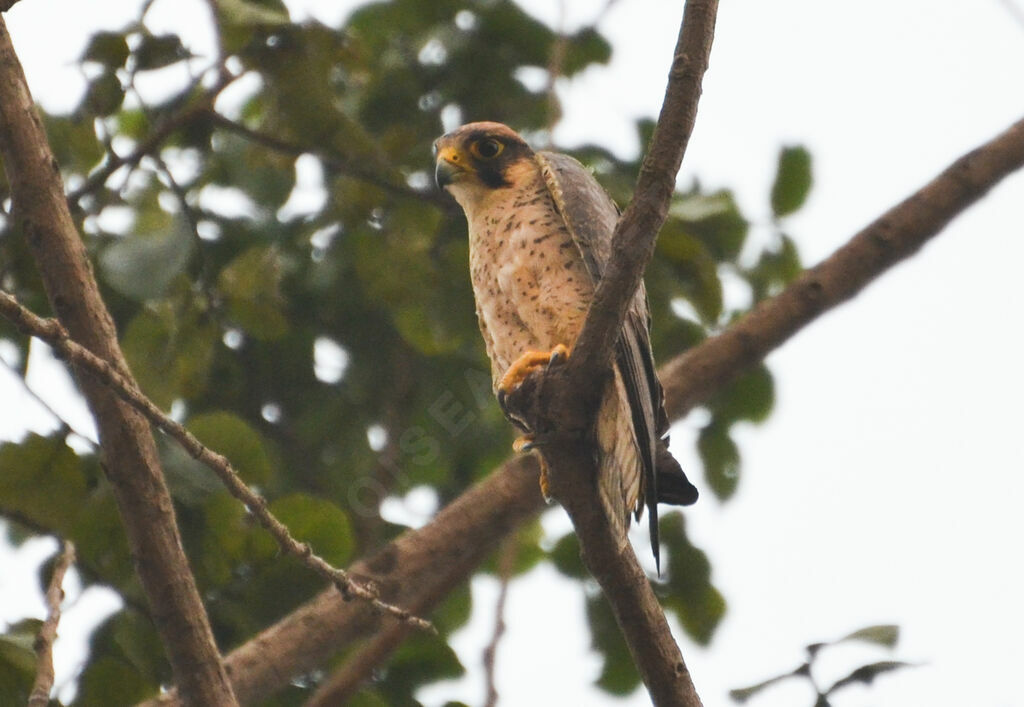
(545, 489)
(527, 364)
(525, 443)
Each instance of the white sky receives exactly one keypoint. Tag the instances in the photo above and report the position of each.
(887, 485)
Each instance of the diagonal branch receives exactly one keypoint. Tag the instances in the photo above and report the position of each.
(468, 529)
(40, 695)
(40, 210)
(50, 331)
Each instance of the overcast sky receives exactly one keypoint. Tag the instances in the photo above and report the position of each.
(887, 485)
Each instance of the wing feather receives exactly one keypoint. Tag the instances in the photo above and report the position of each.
(591, 216)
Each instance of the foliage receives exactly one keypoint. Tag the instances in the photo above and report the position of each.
(332, 351)
(884, 635)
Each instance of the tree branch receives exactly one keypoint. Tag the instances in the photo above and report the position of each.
(40, 209)
(420, 566)
(50, 331)
(40, 695)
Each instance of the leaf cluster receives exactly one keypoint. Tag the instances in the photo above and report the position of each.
(882, 635)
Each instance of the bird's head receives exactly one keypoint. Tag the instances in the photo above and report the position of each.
(479, 158)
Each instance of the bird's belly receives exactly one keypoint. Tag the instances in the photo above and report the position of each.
(531, 287)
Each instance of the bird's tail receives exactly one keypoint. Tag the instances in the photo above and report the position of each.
(673, 486)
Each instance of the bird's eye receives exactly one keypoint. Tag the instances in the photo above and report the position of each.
(487, 149)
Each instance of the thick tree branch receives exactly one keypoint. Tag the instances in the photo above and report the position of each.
(421, 565)
(40, 695)
(41, 212)
(50, 331)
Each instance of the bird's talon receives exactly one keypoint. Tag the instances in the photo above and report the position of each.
(524, 443)
(526, 364)
(545, 488)
(558, 355)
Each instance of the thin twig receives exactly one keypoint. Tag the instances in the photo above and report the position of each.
(40, 695)
(154, 141)
(332, 161)
(506, 564)
(51, 331)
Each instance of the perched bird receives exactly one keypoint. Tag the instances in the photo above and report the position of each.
(540, 229)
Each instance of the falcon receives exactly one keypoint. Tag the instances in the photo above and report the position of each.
(540, 229)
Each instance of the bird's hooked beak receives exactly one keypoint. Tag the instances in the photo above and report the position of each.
(450, 164)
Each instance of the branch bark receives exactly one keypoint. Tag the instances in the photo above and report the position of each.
(419, 565)
(40, 695)
(40, 209)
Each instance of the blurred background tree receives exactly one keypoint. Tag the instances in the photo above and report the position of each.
(288, 282)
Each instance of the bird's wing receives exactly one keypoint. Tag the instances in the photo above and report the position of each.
(591, 216)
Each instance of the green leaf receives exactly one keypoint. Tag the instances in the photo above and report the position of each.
(233, 437)
(143, 266)
(887, 635)
(104, 95)
(750, 397)
(42, 480)
(368, 697)
(721, 460)
(716, 220)
(107, 48)
(742, 694)
(619, 675)
(158, 51)
(792, 180)
(775, 269)
(109, 681)
(318, 522)
(74, 142)
(694, 267)
(687, 589)
(251, 284)
(419, 660)
(170, 349)
(866, 674)
(565, 556)
(245, 13)
(18, 661)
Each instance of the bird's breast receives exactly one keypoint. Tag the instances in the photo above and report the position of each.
(531, 287)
